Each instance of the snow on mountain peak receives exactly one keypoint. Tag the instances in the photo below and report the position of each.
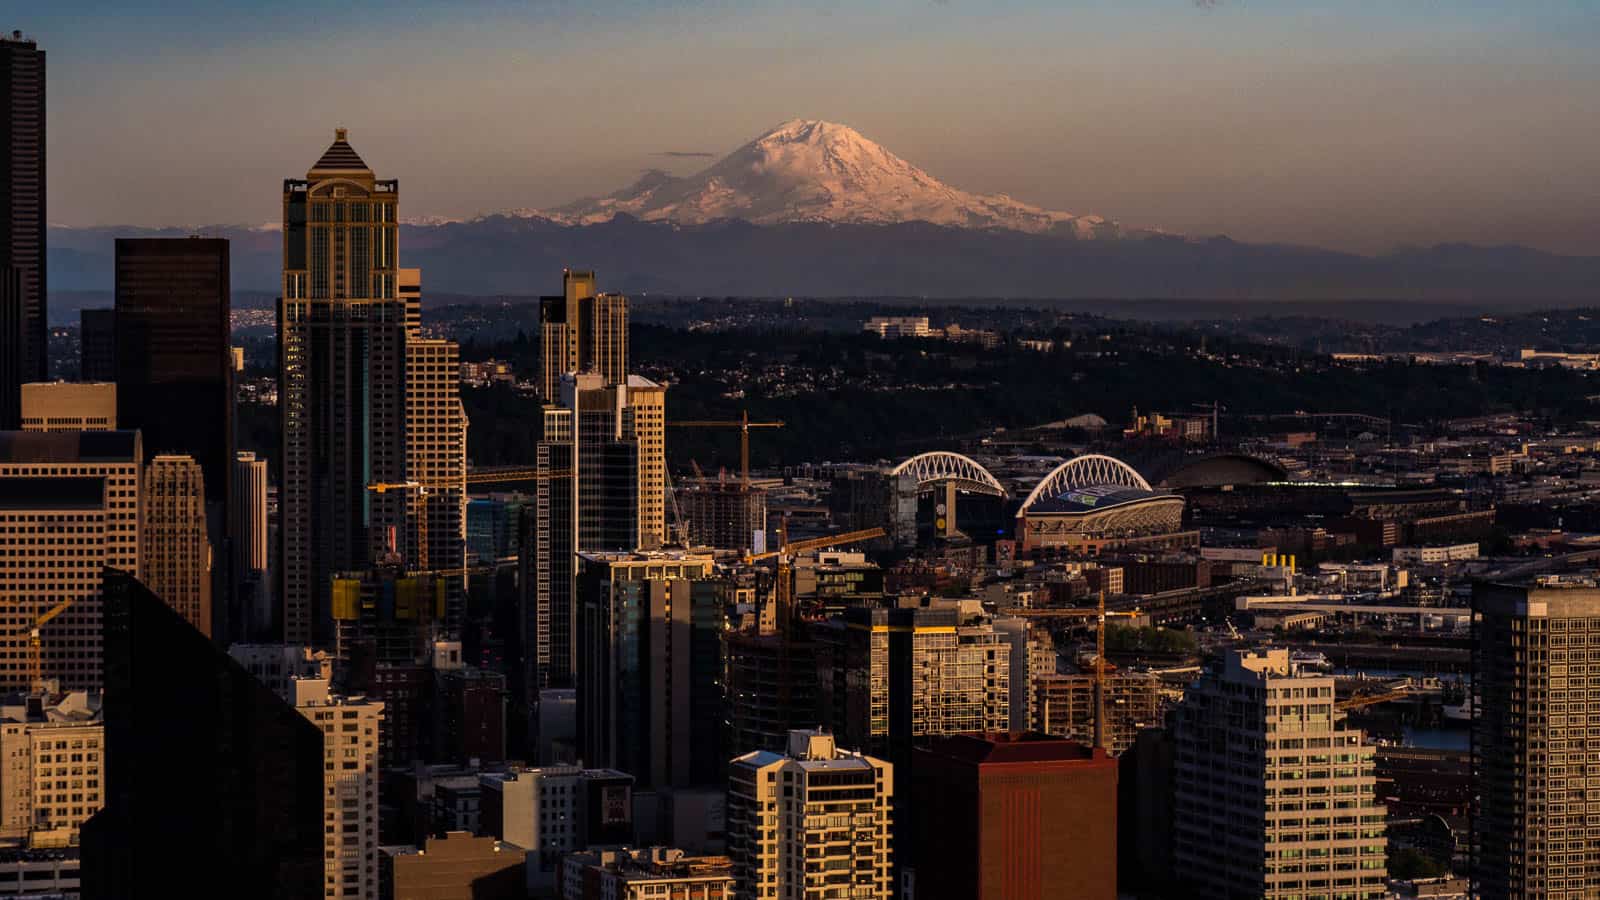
(809, 170)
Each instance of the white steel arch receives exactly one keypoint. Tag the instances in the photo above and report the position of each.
(1083, 471)
(941, 466)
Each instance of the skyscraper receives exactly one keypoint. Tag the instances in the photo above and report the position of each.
(650, 666)
(250, 559)
(179, 714)
(174, 362)
(176, 557)
(69, 406)
(97, 345)
(22, 222)
(810, 823)
(1273, 789)
(436, 457)
(547, 577)
(69, 507)
(341, 326)
(1532, 757)
(581, 331)
(644, 422)
(608, 463)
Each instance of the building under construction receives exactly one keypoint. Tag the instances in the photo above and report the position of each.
(725, 516)
(1064, 706)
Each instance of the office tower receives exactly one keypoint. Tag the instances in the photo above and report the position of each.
(175, 560)
(724, 516)
(624, 873)
(436, 458)
(650, 666)
(23, 348)
(1065, 706)
(1529, 757)
(69, 506)
(581, 332)
(69, 406)
(554, 810)
(1273, 788)
(408, 283)
(1019, 816)
(608, 463)
(97, 345)
(547, 575)
(772, 688)
(1033, 656)
(350, 802)
(174, 370)
(199, 755)
(469, 717)
(812, 823)
(644, 422)
(46, 794)
(341, 327)
(493, 524)
(888, 676)
(250, 557)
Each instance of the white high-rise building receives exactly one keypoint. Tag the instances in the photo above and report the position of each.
(350, 804)
(52, 767)
(810, 824)
(436, 458)
(250, 512)
(1273, 789)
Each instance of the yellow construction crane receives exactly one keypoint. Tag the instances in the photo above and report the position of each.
(786, 553)
(1099, 614)
(1362, 701)
(744, 425)
(483, 477)
(35, 643)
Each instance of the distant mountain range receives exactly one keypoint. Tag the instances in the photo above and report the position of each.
(814, 208)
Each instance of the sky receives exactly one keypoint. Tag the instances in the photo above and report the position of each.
(1349, 124)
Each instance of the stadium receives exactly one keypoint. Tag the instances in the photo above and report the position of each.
(1095, 503)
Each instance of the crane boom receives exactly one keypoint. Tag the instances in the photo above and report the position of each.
(744, 425)
(798, 547)
(481, 477)
(35, 640)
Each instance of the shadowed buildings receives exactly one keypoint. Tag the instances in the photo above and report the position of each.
(23, 350)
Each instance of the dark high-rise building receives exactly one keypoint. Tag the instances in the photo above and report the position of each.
(547, 544)
(1020, 816)
(199, 755)
(97, 345)
(650, 666)
(175, 373)
(23, 349)
(1529, 737)
(608, 464)
(342, 397)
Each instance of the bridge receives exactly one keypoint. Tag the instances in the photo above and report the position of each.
(1290, 604)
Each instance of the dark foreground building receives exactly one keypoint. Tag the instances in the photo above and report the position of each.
(1020, 816)
(22, 217)
(200, 758)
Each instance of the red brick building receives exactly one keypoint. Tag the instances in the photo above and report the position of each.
(1021, 816)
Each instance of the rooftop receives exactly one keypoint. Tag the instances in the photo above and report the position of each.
(340, 156)
(68, 446)
(1013, 747)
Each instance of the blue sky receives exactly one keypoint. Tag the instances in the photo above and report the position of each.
(1352, 124)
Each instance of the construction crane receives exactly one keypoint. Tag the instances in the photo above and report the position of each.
(492, 476)
(1099, 614)
(35, 642)
(1362, 701)
(744, 425)
(786, 553)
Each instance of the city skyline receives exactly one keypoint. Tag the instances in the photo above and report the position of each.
(1362, 130)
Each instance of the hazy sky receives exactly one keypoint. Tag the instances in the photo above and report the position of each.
(1345, 123)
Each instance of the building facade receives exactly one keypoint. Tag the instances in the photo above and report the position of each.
(1064, 705)
(436, 457)
(1273, 788)
(69, 507)
(1532, 645)
(1017, 816)
(23, 348)
(654, 873)
(342, 333)
(554, 810)
(812, 823)
(650, 694)
(175, 561)
(52, 767)
(581, 331)
(69, 406)
(97, 345)
(350, 756)
(724, 516)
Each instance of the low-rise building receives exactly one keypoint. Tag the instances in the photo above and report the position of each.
(654, 873)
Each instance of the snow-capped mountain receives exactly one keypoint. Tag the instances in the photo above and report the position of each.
(812, 171)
